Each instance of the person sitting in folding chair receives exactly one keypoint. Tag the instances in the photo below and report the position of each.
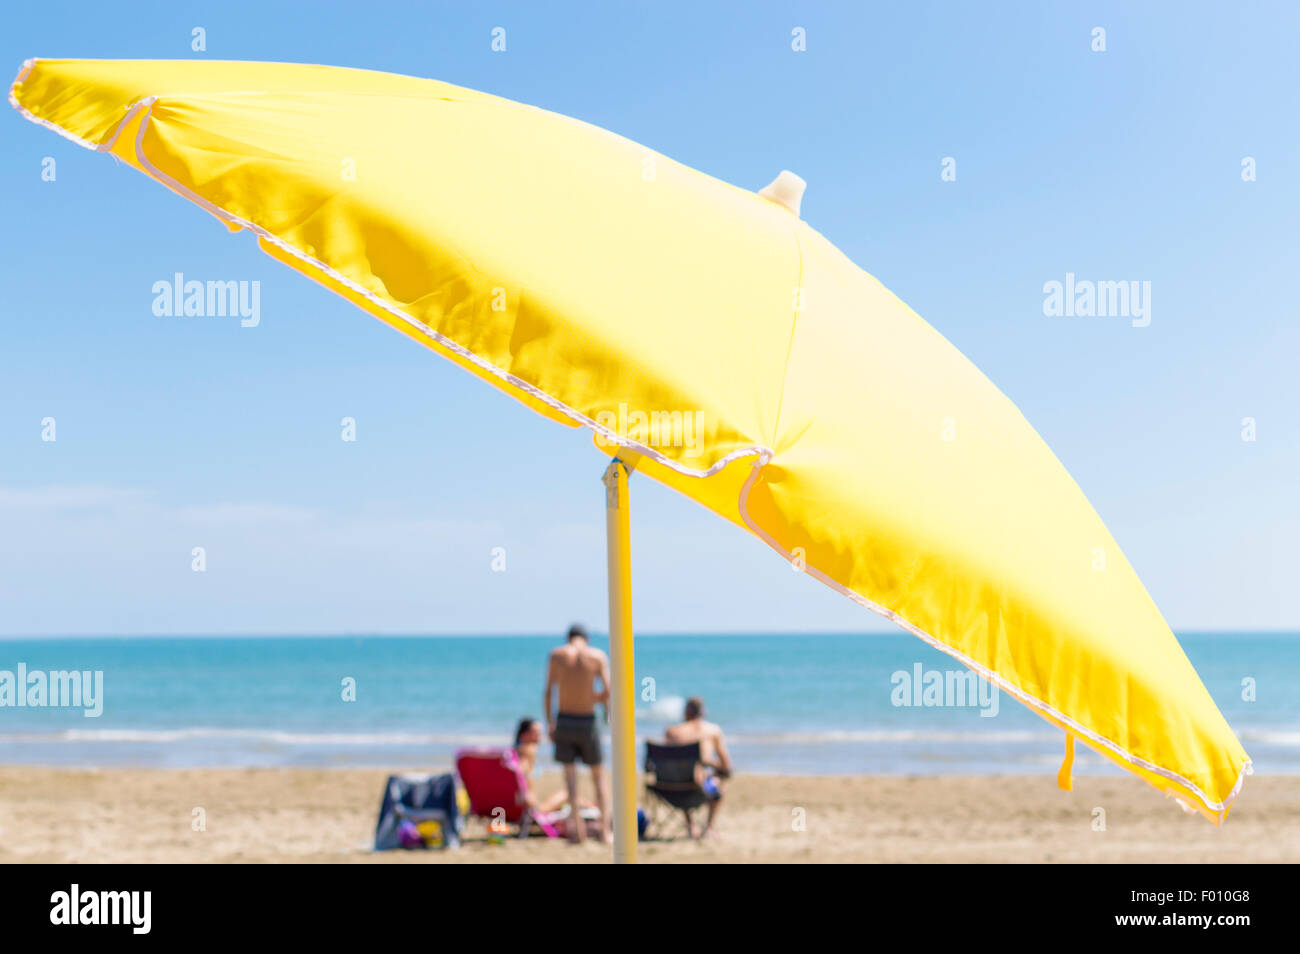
(691, 768)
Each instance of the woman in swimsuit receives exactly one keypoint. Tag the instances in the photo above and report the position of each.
(528, 735)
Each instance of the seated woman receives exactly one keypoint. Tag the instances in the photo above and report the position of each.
(528, 735)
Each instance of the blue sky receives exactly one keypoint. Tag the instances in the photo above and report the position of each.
(1115, 165)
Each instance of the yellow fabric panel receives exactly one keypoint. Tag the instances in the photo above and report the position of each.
(982, 540)
(86, 98)
(604, 284)
(407, 329)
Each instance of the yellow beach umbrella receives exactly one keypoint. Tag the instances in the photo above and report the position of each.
(711, 339)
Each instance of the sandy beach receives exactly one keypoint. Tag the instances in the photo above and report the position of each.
(327, 815)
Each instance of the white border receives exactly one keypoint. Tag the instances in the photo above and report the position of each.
(59, 130)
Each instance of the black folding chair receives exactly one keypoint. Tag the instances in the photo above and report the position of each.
(674, 787)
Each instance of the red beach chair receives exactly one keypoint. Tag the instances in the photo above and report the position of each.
(497, 790)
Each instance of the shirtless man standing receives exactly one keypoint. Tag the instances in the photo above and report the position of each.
(715, 761)
(573, 669)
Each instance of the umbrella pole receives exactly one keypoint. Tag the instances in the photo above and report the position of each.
(618, 543)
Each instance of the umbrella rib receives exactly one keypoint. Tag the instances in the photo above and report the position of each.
(794, 324)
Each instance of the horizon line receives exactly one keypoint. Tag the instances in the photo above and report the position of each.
(559, 633)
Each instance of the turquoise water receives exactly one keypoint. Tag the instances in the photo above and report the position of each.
(794, 704)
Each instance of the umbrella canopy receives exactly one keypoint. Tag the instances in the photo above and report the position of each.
(745, 360)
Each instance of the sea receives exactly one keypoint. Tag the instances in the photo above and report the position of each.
(789, 704)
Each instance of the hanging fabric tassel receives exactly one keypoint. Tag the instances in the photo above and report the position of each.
(1065, 777)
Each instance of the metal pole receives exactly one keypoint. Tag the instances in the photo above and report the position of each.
(618, 545)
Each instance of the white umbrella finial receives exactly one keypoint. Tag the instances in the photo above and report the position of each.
(786, 189)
